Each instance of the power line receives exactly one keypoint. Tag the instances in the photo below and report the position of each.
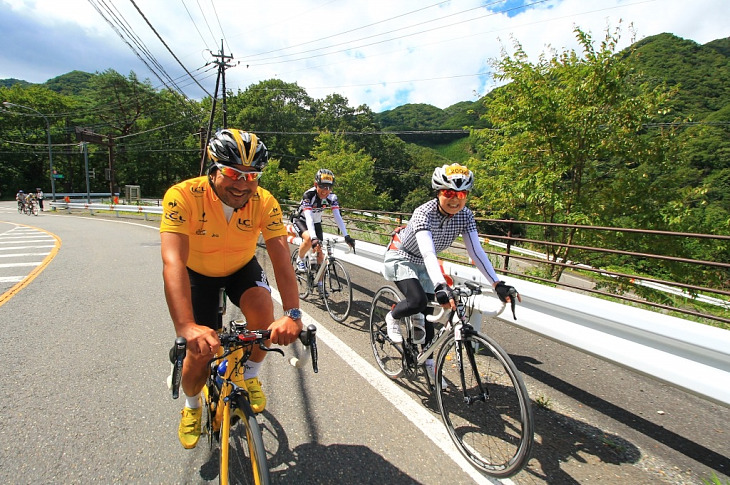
(168, 48)
(194, 24)
(97, 4)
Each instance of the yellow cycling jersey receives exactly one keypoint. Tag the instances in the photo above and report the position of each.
(219, 247)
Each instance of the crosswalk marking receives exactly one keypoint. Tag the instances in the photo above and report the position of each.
(23, 250)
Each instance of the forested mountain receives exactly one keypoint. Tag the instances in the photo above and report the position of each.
(702, 72)
(159, 140)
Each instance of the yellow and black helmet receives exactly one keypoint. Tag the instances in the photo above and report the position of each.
(238, 147)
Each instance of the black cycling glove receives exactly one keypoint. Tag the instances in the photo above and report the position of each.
(315, 243)
(350, 241)
(504, 290)
(443, 293)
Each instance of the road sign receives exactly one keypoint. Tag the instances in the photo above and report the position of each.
(57, 176)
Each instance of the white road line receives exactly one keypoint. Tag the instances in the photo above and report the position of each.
(19, 255)
(11, 279)
(17, 265)
(11, 248)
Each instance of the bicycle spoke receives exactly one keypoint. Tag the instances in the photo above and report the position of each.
(337, 291)
(302, 278)
(388, 355)
(486, 408)
(247, 456)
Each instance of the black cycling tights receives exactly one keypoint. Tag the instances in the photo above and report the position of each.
(416, 300)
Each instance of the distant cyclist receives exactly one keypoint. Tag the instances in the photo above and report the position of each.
(20, 197)
(209, 231)
(308, 220)
(39, 196)
(411, 262)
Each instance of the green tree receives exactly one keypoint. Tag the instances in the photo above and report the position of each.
(279, 112)
(570, 142)
(353, 171)
(24, 162)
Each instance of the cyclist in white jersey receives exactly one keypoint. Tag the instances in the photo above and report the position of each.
(308, 222)
(411, 260)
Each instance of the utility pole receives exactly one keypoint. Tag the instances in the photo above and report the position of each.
(110, 144)
(221, 60)
(86, 135)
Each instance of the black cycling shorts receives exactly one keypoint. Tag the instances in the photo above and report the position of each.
(205, 291)
(300, 225)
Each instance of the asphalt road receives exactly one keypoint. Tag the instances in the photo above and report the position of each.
(84, 359)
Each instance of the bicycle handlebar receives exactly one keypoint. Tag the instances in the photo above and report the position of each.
(246, 338)
(467, 289)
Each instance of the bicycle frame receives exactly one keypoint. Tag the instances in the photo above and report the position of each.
(329, 258)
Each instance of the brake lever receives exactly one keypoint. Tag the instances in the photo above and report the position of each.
(513, 301)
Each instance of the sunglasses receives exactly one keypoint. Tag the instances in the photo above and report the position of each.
(324, 186)
(235, 174)
(450, 194)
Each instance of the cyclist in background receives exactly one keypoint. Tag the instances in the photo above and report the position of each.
(20, 197)
(411, 262)
(39, 197)
(209, 230)
(307, 222)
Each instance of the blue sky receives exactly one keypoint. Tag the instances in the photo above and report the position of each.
(381, 53)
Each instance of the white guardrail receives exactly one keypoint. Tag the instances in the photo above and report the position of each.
(685, 354)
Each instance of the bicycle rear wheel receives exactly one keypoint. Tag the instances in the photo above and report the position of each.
(242, 456)
(388, 355)
(301, 277)
(493, 425)
(338, 291)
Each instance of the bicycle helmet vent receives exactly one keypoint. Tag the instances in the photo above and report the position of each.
(237, 147)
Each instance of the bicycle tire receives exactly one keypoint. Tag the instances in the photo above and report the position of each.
(242, 453)
(34, 209)
(388, 355)
(338, 291)
(495, 435)
(302, 278)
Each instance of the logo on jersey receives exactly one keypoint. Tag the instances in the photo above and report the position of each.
(172, 216)
(197, 190)
(244, 225)
(275, 225)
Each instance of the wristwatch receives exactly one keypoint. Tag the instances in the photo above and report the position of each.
(293, 313)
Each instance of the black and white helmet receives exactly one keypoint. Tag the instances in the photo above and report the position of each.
(454, 177)
(238, 147)
(324, 177)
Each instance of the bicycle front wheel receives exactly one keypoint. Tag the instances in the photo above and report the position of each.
(388, 355)
(34, 209)
(242, 456)
(337, 291)
(484, 404)
(301, 277)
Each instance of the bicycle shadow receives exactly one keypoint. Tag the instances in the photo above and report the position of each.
(323, 464)
(558, 437)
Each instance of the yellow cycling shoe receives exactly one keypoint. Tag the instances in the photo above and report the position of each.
(189, 430)
(255, 395)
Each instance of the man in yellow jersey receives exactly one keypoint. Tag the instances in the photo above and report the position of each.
(209, 231)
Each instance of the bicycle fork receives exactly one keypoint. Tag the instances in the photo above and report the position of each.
(461, 346)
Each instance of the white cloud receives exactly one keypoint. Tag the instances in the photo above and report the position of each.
(428, 53)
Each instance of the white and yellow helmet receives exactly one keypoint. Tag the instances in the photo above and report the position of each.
(455, 177)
